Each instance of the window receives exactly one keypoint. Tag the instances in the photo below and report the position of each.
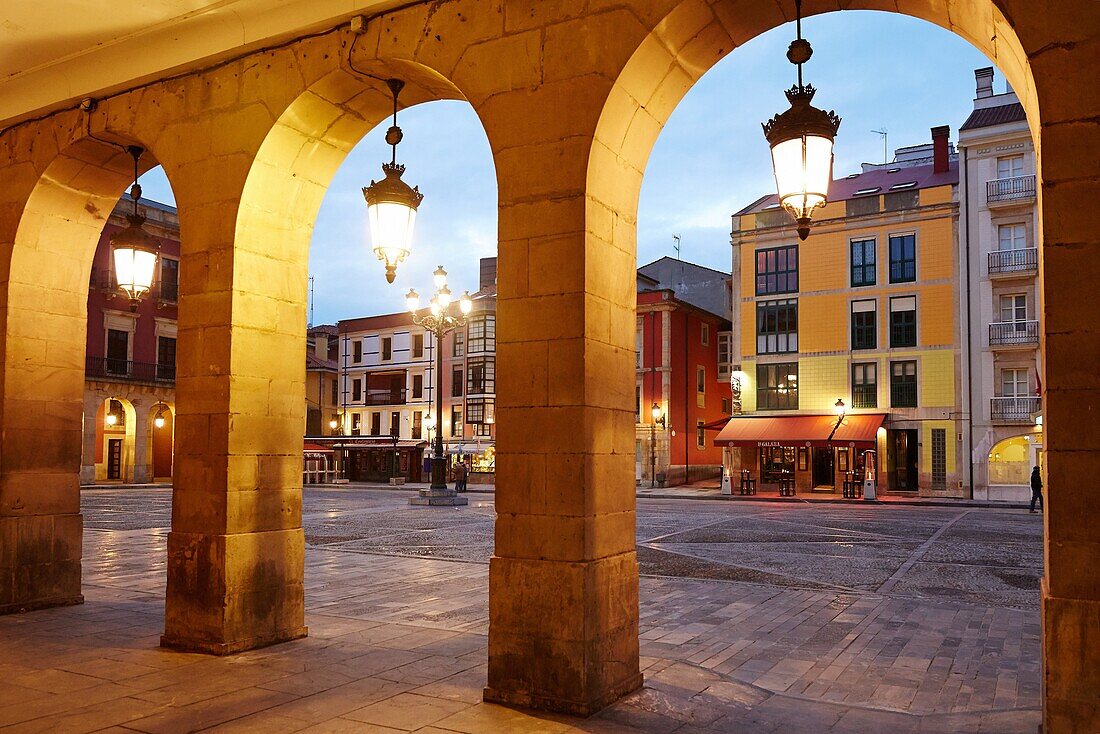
(118, 352)
(169, 279)
(418, 386)
(387, 348)
(777, 327)
(777, 270)
(903, 258)
(903, 384)
(700, 386)
(335, 392)
(1014, 383)
(1014, 308)
(705, 335)
(700, 436)
(357, 351)
(777, 386)
(483, 334)
(395, 424)
(727, 406)
(459, 344)
(865, 385)
(114, 407)
(480, 375)
(639, 344)
(725, 354)
(939, 458)
(356, 423)
(479, 414)
(1011, 237)
(903, 322)
(456, 382)
(376, 424)
(418, 346)
(456, 421)
(638, 404)
(1010, 165)
(864, 325)
(166, 358)
(356, 390)
(863, 262)
(417, 424)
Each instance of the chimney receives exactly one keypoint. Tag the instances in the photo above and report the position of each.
(488, 277)
(984, 80)
(939, 148)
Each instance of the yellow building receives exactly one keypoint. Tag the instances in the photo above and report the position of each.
(864, 312)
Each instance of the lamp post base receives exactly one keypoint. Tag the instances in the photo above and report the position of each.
(438, 498)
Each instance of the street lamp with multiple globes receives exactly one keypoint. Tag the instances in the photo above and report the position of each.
(392, 203)
(134, 250)
(658, 417)
(440, 320)
(801, 141)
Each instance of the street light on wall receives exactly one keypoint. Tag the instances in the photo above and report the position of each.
(801, 141)
(134, 250)
(392, 203)
(839, 407)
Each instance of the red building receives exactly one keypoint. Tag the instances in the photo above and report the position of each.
(682, 374)
(130, 362)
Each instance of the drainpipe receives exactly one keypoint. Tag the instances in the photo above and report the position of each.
(969, 326)
(687, 405)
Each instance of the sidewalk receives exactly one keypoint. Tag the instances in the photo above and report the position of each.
(700, 491)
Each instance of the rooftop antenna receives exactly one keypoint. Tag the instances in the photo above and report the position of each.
(310, 324)
(676, 247)
(885, 134)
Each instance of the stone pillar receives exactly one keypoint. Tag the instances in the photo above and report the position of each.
(236, 551)
(142, 452)
(563, 582)
(1070, 268)
(92, 402)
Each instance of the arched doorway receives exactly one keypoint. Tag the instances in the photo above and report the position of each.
(162, 427)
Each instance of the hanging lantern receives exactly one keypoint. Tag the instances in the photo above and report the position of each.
(134, 250)
(392, 203)
(801, 141)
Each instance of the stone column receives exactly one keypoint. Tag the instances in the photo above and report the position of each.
(141, 442)
(92, 402)
(563, 582)
(236, 551)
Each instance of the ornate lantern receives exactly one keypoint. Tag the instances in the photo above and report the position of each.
(134, 250)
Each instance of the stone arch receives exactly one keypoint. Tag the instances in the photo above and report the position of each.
(160, 441)
(116, 422)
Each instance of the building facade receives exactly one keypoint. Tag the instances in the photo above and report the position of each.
(322, 380)
(387, 376)
(999, 295)
(862, 312)
(130, 361)
(681, 329)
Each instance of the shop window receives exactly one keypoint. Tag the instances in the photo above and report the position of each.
(776, 462)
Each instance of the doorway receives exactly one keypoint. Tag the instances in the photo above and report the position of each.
(901, 447)
(823, 468)
(114, 458)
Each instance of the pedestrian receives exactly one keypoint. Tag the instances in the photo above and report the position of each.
(1036, 489)
(460, 477)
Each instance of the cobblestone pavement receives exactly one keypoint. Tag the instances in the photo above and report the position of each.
(755, 617)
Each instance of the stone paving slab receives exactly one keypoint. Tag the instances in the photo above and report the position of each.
(397, 642)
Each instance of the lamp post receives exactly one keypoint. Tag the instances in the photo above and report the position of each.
(658, 417)
(440, 320)
(801, 141)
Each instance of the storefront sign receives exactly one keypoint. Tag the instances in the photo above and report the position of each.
(767, 443)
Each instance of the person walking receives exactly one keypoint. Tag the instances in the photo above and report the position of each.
(1036, 489)
(460, 477)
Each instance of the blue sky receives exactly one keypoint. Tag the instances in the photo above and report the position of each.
(877, 70)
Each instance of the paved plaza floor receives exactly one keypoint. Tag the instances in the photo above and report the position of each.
(755, 617)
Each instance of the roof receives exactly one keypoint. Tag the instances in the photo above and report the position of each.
(329, 329)
(679, 261)
(313, 362)
(990, 116)
(382, 321)
(877, 182)
(800, 430)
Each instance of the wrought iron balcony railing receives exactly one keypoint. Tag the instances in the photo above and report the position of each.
(1014, 334)
(1014, 410)
(1014, 262)
(128, 370)
(1014, 188)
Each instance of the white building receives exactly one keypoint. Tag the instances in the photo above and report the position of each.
(999, 294)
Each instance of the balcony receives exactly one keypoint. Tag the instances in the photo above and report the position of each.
(1014, 410)
(383, 397)
(1014, 334)
(1007, 191)
(865, 396)
(1014, 263)
(123, 370)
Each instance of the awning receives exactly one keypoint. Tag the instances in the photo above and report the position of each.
(351, 443)
(801, 430)
(313, 448)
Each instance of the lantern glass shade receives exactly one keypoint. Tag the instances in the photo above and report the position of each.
(111, 419)
(135, 259)
(159, 421)
(803, 169)
(465, 305)
(412, 301)
(391, 214)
